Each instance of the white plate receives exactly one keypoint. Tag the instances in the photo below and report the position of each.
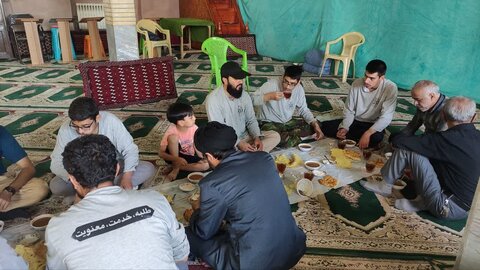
(187, 187)
(319, 173)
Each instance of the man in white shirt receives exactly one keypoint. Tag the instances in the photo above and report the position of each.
(369, 108)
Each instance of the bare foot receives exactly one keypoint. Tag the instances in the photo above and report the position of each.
(172, 175)
(167, 170)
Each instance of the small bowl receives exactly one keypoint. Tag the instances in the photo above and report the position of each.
(187, 187)
(195, 177)
(305, 147)
(350, 143)
(40, 222)
(312, 164)
(399, 185)
(388, 155)
(304, 187)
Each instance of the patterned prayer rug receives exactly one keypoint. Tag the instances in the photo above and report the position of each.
(352, 221)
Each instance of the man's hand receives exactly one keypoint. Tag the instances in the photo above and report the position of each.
(273, 96)
(257, 143)
(5, 198)
(195, 204)
(318, 131)
(246, 147)
(126, 181)
(342, 133)
(365, 139)
(187, 214)
(179, 162)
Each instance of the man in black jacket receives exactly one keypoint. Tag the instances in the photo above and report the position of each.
(244, 219)
(445, 165)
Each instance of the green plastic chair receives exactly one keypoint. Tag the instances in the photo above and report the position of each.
(216, 49)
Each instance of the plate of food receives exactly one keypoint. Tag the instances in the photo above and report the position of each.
(353, 155)
(328, 181)
(186, 187)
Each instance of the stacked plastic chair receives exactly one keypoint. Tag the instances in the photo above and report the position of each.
(216, 49)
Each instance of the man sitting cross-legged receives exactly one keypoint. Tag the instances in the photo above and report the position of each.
(177, 145)
(229, 105)
(20, 190)
(444, 165)
(277, 100)
(246, 195)
(86, 119)
(368, 110)
(429, 102)
(111, 228)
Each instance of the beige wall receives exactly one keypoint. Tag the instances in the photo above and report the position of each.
(158, 9)
(43, 9)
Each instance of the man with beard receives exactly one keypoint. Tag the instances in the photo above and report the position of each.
(429, 102)
(229, 106)
(368, 109)
(246, 195)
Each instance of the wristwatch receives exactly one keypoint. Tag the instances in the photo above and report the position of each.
(11, 190)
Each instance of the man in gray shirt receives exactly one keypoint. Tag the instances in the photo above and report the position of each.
(429, 102)
(277, 100)
(87, 119)
(229, 106)
(368, 109)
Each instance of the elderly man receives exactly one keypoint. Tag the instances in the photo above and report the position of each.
(18, 190)
(111, 228)
(86, 119)
(368, 110)
(445, 165)
(228, 105)
(245, 193)
(277, 100)
(429, 102)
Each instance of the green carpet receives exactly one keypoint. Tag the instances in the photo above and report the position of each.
(34, 102)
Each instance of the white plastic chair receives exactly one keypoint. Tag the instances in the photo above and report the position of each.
(143, 27)
(351, 41)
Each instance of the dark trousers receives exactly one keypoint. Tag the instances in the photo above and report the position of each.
(218, 251)
(355, 132)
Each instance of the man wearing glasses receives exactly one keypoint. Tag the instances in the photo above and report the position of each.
(277, 100)
(86, 119)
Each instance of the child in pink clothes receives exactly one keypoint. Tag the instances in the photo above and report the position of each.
(177, 146)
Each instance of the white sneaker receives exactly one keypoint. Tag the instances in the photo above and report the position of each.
(410, 206)
(380, 187)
